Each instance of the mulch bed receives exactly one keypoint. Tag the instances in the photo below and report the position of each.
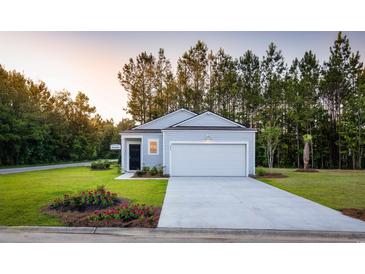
(306, 170)
(355, 213)
(81, 218)
(271, 175)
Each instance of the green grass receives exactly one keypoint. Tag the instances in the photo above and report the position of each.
(23, 194)
(337, 189)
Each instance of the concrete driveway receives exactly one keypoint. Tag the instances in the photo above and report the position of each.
(245, 203)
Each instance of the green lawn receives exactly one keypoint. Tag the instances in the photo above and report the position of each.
(332, 188)
(23, 194)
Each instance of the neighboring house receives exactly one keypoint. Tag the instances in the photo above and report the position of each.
(190, 144)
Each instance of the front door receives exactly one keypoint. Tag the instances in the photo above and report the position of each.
(134, 156)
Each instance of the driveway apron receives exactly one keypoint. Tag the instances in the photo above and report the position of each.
(245, 203)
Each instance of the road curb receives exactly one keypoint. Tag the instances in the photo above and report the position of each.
(188, 232)
(269, 232)
(49, 229)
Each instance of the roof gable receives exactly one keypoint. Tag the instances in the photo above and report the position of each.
(208, 119)
(168, 119)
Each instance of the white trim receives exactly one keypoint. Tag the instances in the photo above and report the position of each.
(158, 146)
(163, 152)
(217, 130)
(125, 150)
(208, 143)
(159, 118)
(207, 113)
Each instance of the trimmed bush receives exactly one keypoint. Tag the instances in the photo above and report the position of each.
(100, 165)
(153, 171)
(160, 171)
(260, 171)
(140, 173)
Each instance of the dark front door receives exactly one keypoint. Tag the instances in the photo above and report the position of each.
(134, 156)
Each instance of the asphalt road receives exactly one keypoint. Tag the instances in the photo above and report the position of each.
(35, 168)
(144, 235)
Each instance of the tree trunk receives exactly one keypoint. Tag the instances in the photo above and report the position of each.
(311, 147)
(306, 155)
(339, 152)
(298, 148)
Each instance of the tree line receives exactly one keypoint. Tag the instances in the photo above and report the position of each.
(283, 102)
(39, 126)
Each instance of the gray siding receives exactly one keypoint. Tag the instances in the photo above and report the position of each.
(147, 160)
(152, 160)
(216, 136)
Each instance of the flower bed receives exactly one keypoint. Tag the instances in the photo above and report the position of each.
(147, 172)
(102, 208)
(92, 199)
(126, 214)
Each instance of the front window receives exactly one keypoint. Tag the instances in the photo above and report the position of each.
(153, 147)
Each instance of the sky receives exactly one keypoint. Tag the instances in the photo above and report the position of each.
(89, 61)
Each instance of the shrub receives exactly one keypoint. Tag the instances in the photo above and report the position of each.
(146, 169)
(100, 164)
(140, 173)
(260, 171)
(96, 199)
(160, 170)
(127, 212)
(153, 171)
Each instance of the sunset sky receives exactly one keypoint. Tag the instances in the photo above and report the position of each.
(90, 61)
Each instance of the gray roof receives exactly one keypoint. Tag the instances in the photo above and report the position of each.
(209, 128)
(142, 131)
(239, 127)
(188, 128)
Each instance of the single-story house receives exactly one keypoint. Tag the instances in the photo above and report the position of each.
(188, 144)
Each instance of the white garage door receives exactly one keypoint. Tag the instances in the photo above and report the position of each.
(208, 159)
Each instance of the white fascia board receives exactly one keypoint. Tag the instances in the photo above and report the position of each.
(218, 130)
(157, 119)
(208, 113)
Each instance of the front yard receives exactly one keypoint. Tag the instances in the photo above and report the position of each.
(338, 189)
(22, 195)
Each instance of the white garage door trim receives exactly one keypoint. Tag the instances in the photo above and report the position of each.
(207, 143)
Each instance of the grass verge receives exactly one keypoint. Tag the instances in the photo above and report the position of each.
(338, 189)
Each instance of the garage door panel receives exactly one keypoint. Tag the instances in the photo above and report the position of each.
(208, 160)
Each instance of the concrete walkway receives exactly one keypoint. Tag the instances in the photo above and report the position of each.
(245, 203)
(128, 176)
(125, 176)
(146, 235)
(36, 168)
